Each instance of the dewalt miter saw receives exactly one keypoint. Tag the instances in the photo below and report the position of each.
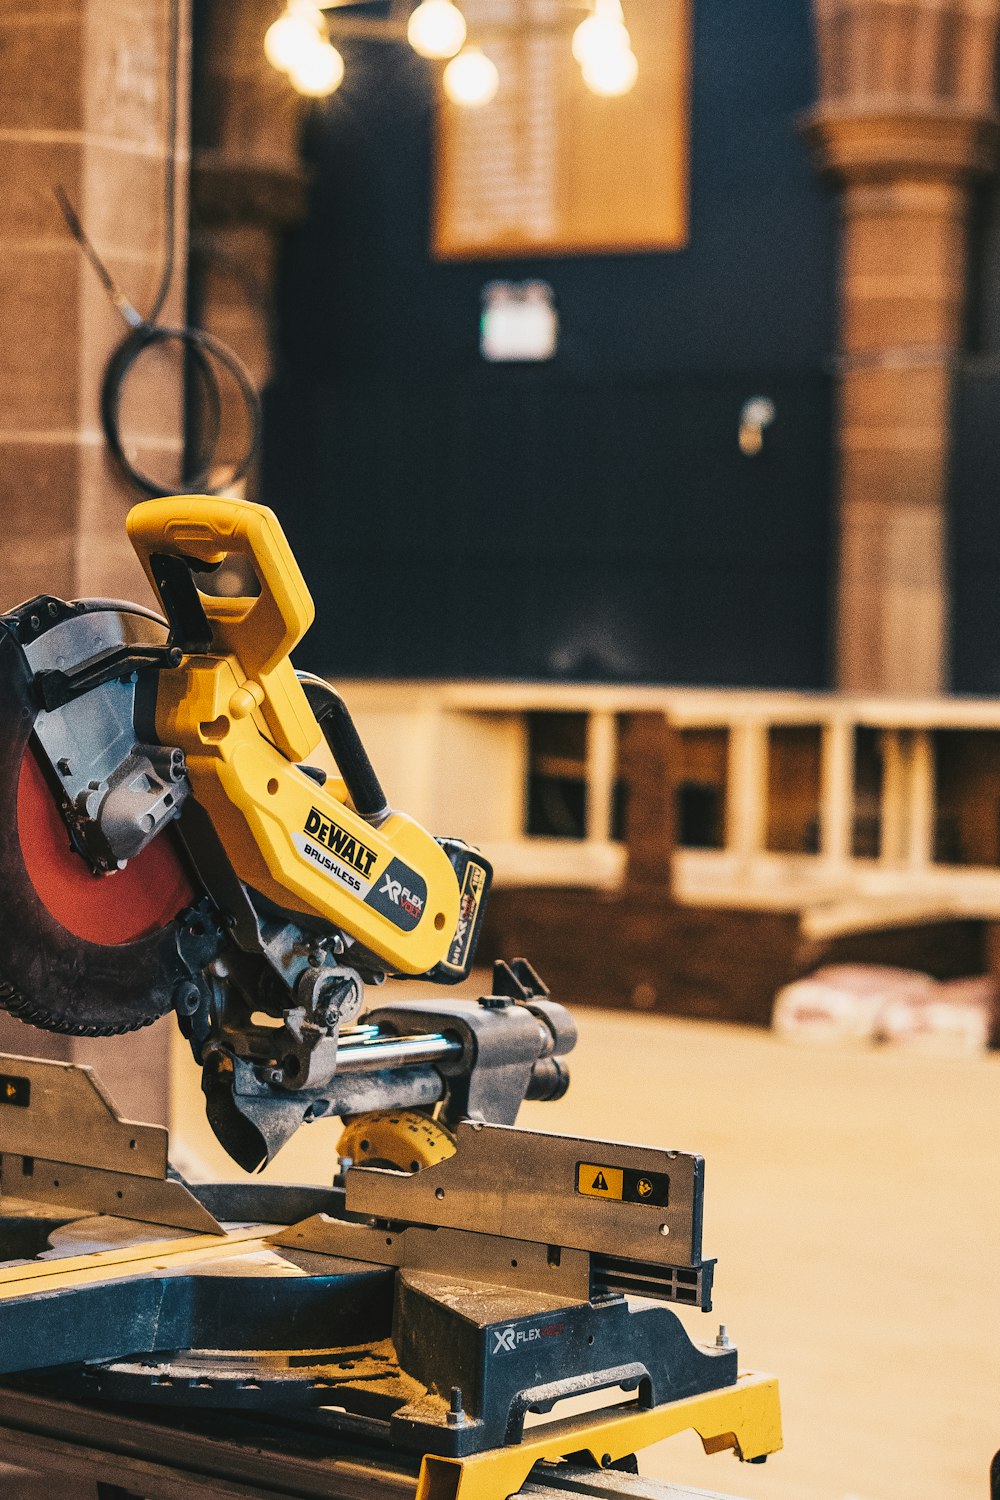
(169, 839)
(188, 823)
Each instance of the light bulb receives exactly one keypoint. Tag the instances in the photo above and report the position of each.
(319, 71)
(471, 78)
(601, 32)
(291, 36)
(436, 29)
(611, 73)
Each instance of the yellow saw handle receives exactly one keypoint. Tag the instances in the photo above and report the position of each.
(256, 631)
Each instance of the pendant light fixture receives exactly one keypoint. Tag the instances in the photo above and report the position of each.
(436, 29)
(298, 44)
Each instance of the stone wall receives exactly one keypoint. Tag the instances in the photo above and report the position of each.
(84, 105)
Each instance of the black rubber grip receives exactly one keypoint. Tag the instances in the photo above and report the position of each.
(334, 718)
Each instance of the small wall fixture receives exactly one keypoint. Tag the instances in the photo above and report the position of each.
(519, 323)
(756, 415)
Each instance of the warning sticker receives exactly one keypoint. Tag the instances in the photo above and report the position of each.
(623, 1184)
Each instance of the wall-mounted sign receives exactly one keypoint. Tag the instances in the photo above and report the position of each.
(548, 167)
(518, 323)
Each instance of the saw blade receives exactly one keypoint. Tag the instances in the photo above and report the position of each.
(85, 954)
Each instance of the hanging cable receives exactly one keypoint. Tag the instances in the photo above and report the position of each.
(146, 333)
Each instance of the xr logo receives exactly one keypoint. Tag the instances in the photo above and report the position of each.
(506, 1340)
(401, 895)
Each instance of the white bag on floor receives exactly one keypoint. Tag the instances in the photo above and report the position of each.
(843, 1002)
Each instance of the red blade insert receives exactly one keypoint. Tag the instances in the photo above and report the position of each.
(109, 910)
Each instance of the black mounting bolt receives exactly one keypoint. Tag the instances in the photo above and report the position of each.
(456, 1415)
(187, 998)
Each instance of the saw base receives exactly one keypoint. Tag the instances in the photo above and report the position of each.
(248, 1308)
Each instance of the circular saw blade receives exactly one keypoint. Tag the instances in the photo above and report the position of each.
(107, 910)
(85, 954)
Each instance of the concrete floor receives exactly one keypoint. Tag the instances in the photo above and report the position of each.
(853, 1200)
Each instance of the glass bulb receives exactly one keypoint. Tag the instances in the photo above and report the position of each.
(291, 36)
(611, 73)
(436, 29)
(602, 31)
(319, 71)
(471, 78)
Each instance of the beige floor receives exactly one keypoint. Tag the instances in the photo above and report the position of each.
(853, 1200)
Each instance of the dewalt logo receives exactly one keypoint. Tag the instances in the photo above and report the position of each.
(341, 843)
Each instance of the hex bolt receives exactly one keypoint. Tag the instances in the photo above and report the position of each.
(456, 1416)
(722, 1338)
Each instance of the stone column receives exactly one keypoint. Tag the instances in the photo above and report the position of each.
(83, 105)
(906, 123)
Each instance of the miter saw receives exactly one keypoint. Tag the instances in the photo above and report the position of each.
(188, 823)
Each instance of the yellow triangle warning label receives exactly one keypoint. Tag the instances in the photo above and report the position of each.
(594, 1180)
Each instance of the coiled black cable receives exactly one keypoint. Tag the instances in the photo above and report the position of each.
(146, 333)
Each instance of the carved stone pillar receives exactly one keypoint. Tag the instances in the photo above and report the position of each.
(906, 123)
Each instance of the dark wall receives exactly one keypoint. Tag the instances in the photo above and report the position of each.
(975, 470)
(592, 517)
